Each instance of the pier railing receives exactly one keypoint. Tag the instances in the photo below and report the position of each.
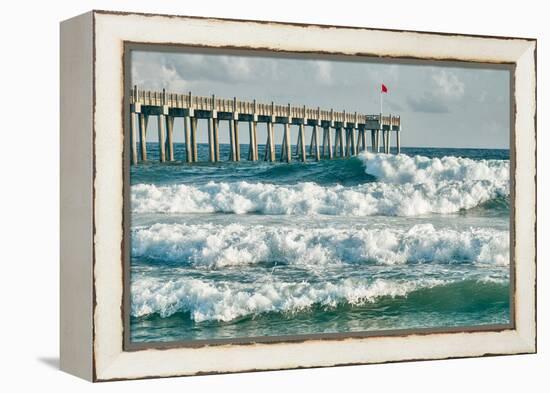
(189, 101)
(166, 106)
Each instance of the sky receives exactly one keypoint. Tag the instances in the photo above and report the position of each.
(440, 106)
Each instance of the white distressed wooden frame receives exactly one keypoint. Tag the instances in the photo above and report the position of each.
(92, 195)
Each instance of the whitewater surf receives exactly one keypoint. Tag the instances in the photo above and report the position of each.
(374, 242)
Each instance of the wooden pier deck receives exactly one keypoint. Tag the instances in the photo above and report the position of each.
(349, 137)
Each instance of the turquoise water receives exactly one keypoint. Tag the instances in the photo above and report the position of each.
(375, 242)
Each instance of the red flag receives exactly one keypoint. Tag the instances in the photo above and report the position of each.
(384, 88)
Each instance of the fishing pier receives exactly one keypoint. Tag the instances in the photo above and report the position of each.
(344, 134)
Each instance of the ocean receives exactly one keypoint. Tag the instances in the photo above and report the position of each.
(373, 242)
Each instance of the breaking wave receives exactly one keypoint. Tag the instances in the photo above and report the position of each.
(225, 302)
(213, 246)
(404, 169)
(404, 186)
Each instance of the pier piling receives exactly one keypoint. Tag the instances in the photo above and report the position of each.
(250, 142)
(170, 137)
(302, 142)
(327, 143)
(315, 141)
(267, 143)
(133, 136)
(143, 121)
(216, 124)
(237, 143)
(341, 141)
(232, 149)
(336, 140)
(187, 131)
(161, 122)
(287, 150)
(211, 141)
(272, 142)
(194, 142)
(398, 141)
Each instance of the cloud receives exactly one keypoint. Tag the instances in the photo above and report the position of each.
(324, 72)
(416, 92)
(237, 68)
(443, 89)
(393, 105)
(447, 84)
(149, 69)
(428, 103)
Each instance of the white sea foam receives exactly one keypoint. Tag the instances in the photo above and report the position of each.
(404, 169)
(214, 246)
(226, 301)
(310, 199)
(405, 186)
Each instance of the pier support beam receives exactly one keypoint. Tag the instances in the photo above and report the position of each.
(162, 135)
(253, 145)
(213, 137)
(336, 140)
(250, 142)
(133, 136)
(286, 150)
(302, 141)
(253, 125)
(216, 124)
(314, 142)
(347, 150)
(237, 144)
(255, 133)
(267, 142)
(143, 121)
(353, 141)
(187, 132)
(341, 141)
(298, 143)
(325, 153)
(389, 134)
(194, 147)
(211, 141)
(270, 144)
(232, 148)
(272, 150)
(388, 144)
(327, 143)
(363, 140)
(283, 147)
(170, 137)
(398, 140)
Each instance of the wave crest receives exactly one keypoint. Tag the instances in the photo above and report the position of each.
(215, 246)
(404, 169)
(225, 302)
(312, 199)
(405, 186)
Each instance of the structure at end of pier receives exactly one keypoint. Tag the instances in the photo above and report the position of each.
(344, 134)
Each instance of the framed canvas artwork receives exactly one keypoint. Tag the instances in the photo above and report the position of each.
(249, 195)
